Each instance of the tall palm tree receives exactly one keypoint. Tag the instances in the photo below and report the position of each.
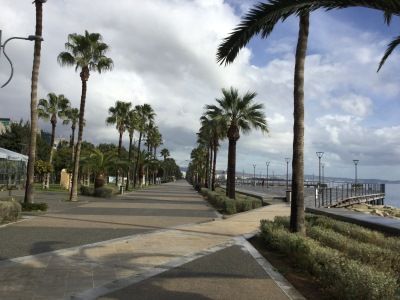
(55, 106)
(240, 114)
(34, 116)
(72, 116)
(131, 126)
(87, 53)
(145, 116)
(218, 132)
(204, 137)
(119, 115)
(260, 20)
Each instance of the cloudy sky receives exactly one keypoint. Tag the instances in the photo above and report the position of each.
(164, 54)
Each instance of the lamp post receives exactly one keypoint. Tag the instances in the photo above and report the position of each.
(355, 170)
(323, 173)
(319, 155)
(3, 48)
(267, 163)
(287, 159)
(254, 175)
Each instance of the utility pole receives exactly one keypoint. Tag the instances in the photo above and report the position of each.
(254, 177)
(355, 169)
(287, 159)
(319, 155)
(267, 163)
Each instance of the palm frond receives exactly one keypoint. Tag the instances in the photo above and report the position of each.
(393, 44)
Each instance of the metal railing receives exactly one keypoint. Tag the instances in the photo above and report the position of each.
(328, 196)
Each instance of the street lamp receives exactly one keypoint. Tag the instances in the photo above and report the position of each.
(267, 163)
(319, 155)
(323, 173)
(355, 169)
(254, 167)
(287, 159)
(3, 47)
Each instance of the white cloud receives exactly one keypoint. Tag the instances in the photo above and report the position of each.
(164, 54)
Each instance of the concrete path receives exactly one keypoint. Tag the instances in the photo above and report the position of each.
(70, 224)
(119, 265)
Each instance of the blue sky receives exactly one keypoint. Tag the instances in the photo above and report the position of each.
(165, 54)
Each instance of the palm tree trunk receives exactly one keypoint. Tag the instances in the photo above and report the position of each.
(53, 136)
(74, 189)
(230, 188)
(214, 166)
(129, 161)
(210, 164)
(206, 168)
(137, 161)
(72, 142)
(29, 197)
(119, 154)
(297, 206)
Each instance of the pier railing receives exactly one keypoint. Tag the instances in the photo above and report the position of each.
(347, 194)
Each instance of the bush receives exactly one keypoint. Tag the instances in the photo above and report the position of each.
(344, 278)
(34, 206)
(87, 190)
(10, 211)
(103, 192)
(204, 191)
(355, 232)
(230, 206)
(243, 205)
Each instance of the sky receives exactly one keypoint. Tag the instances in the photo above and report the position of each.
(164, 54)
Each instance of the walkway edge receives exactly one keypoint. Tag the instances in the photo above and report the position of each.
(286, 287)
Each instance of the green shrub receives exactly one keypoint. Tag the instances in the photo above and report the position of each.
(230, 206)
(103, 192)
(243, 205)
(355, 232)
(256, 203)
(42, 206)
(10, 211)
(204, 191)
(383, 259)
(343, 278)
(87, 190)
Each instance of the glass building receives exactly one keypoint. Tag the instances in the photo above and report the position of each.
(12, 169)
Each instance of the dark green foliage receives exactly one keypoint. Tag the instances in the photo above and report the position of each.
(87, 190)
(243, 205)
(34, 206)
(10, 211)
(343, 277)
(103, 192)
(230, 206)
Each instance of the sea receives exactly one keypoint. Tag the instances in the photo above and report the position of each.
(392, 196)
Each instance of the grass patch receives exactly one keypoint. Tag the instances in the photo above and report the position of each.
(34, 206)
(345, 267)
(52, 188)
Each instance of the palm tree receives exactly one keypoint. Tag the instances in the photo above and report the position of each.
(72, 115)
(99, 163)
(34, 116)
(145, 115)
(204, 138)
(218, 130)
(240, 114)
(55, 106)
(260, 20)
(119, 115)
(165, 153)
(87, 53)
(131, 126)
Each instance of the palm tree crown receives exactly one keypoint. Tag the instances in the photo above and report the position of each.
(119, 115)
(86, 51)
(263, 17)
(55, 106)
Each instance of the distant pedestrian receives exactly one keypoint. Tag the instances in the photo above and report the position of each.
(262, 183)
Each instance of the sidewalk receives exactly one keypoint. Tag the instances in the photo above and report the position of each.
(128, 266)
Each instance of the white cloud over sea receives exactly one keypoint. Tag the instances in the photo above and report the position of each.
(164, 54)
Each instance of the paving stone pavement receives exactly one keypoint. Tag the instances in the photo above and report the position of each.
(90, 271)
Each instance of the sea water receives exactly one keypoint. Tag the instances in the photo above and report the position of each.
(392, 196)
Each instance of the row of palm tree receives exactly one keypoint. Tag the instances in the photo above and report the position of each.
(261, 20)
(233, 114)
(139, 119)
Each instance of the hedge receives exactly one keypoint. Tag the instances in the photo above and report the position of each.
(343, 278)
(227, 205)
(103, 192)
(10, 211)
(34, 206)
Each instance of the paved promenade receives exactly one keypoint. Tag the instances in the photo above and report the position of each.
(165, 260)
